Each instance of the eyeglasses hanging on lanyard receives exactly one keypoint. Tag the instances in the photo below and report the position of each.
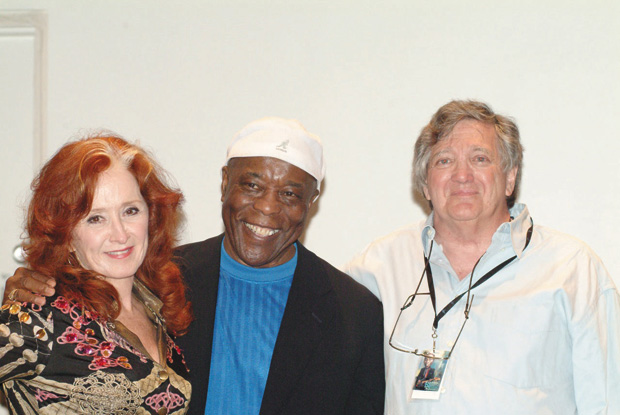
(438, 316)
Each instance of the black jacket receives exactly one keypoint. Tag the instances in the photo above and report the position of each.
(328, 356)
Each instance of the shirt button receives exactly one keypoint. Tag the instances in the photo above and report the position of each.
(163, 375)
(162, 411)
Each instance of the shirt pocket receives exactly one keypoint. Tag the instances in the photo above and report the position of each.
(524, 349)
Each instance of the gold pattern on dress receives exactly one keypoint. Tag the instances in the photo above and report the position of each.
(162, 375)
(40, 333)
(106, 393)
(24, 317)
(123, 362)
(28, 334)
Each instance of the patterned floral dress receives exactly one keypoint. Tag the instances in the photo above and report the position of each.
(62, 359)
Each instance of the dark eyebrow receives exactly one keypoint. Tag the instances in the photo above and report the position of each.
(257, 175)
(250, 174)
(295, 184)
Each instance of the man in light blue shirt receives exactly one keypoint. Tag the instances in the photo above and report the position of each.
(519, 318)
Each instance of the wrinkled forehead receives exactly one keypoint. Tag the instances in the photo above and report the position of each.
(468, 133)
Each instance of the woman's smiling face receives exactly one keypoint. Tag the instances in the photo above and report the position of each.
(112, 239)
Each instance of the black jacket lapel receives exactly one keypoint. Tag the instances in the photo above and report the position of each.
(306, 318)
(200, 265)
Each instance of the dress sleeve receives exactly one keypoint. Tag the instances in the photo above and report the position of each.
(26, 333)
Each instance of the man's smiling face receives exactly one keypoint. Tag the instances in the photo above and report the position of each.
(265, 203)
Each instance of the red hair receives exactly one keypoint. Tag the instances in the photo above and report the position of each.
(63, 194)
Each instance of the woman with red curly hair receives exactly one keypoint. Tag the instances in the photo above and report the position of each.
(102, 222)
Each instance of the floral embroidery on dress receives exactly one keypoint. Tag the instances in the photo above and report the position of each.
(61, 359)
(167, 399)
(172, 346)
(78, 314)
(85, 341)
(88, 346)
(113, 337)
(42, 396)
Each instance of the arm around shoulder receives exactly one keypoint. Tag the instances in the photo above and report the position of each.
(28, 286)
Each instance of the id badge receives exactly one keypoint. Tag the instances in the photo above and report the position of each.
(429, 376)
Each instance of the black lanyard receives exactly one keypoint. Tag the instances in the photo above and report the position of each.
(483, 279)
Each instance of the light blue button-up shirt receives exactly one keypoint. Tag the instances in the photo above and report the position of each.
(543, 335)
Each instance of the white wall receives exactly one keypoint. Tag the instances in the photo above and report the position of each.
(183, 77)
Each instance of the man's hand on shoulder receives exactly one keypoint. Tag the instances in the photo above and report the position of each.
(28, 286)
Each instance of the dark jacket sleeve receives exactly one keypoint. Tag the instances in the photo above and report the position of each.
(200, 263)
(328, 357)
(368, 394)
(363, 313)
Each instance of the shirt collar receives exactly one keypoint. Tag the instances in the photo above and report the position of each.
(519, 226)
(259, 275)
(515, 230)
(428, 232)
(147, 297)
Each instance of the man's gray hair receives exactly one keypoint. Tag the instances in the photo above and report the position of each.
(443, 122)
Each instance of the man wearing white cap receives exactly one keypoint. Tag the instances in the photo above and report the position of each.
(277, 330)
